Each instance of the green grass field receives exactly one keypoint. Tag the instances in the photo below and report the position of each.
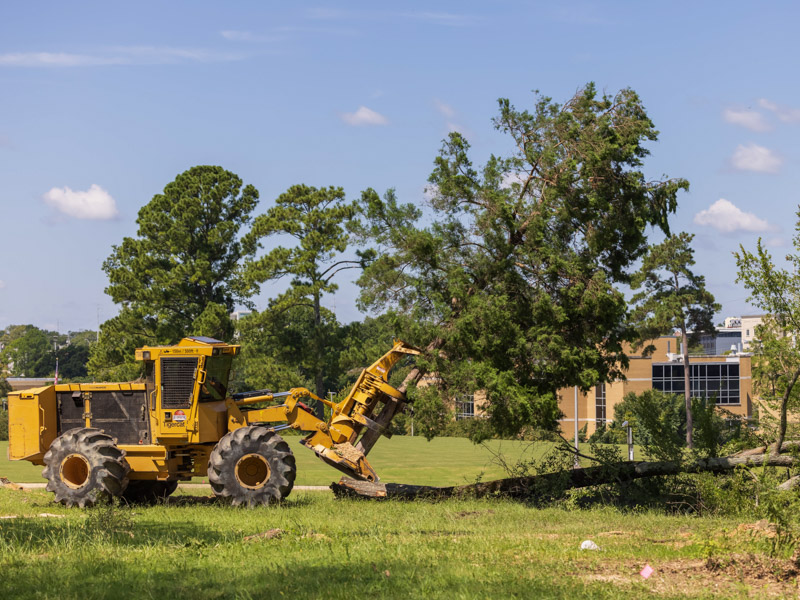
(402, 459)
(330, 548)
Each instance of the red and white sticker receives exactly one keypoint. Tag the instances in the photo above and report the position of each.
(179, 415)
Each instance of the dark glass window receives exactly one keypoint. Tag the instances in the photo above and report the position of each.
(706, 380)
(218, 369)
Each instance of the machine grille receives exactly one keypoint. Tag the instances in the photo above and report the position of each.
(177, 381)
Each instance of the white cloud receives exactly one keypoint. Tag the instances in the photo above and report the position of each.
(754, 121)
(756, 158)
(445, 110)
(94, 203)
(2, 284)
(726, 217)
(129, 55)
(364, 116)
(784, 113)
(448, 112)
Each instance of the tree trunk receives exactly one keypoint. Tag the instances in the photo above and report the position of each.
(319, 382)
(784, 407)
(687, 388)
(526, 487)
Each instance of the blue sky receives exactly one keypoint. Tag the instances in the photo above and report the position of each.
(102, 104)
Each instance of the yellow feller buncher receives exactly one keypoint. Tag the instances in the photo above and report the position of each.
(138, 440)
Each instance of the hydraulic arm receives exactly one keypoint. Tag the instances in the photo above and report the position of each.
(334, 441)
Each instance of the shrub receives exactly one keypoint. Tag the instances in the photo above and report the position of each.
(3, 425)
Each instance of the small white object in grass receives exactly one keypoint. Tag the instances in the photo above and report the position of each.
(589, 545)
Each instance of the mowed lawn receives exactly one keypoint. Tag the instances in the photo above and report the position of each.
(321, 547)
(401, 459)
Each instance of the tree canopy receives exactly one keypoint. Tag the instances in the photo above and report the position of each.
(181, 274)
(510, 279)
(776, 365)
(318, 219)
(673, 297)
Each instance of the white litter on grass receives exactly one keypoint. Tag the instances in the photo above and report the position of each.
(589, 545)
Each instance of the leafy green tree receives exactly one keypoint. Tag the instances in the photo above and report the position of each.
(776, 367)
(510, 281)
(276, 353)
(318, 220)
(673, 297)
(73, 359)
(29, 351)
(181, 275)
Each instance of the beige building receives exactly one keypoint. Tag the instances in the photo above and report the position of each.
(749, 324)
(725, 377)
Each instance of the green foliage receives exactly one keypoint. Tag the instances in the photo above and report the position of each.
(673, 297)
(512, 279)
(31, 352)
(28, 351)
(318, 220)
(181, 275)
(659, 425)
(431, 414)
(776, 364)
(3, 424)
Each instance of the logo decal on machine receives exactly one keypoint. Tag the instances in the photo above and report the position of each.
(179, 415)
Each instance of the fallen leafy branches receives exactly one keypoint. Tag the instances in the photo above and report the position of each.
(526, 487)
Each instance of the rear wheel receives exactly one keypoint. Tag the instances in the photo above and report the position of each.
(148, 492)
(84, 464)
(252, 466)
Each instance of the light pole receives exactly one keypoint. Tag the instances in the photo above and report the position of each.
(630, 439)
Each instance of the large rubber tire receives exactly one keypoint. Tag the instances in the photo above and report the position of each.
(148, 492)
(252, 466)
(83, 465)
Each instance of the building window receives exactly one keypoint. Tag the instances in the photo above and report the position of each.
(600, 404)
(465, 407)
(706, 380)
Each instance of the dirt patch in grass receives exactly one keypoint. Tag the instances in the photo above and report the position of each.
(736, 575)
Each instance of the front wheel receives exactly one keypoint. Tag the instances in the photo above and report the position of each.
(83, 465)
(252, 466)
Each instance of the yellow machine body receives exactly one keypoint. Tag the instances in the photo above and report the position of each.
(169, 424)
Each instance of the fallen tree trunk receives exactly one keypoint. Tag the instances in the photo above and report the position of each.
(785, 447)
(525, 487)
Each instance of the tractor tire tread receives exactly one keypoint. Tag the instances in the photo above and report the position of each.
(108, 469)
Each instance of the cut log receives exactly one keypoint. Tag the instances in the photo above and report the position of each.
(526, 487)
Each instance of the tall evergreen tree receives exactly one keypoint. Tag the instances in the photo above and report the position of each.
(318, 220)
(181, 274)
(673, 297)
